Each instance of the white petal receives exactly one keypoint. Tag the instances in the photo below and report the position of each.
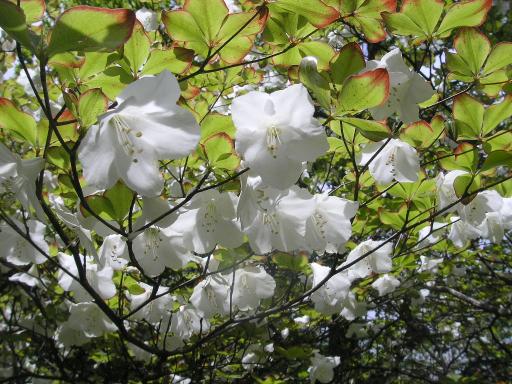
(96, 153)
(162, 91)
(141, 175)
(293, 105)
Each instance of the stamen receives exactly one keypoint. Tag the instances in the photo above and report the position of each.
(273, 140)
(125, 137)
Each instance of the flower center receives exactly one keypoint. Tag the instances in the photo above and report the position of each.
(273, 140)
(209, 217)
(320, 222)
(391, 161)
(152, 241)
(125, 137)
(270, 219)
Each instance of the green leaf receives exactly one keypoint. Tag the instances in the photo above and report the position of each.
(499, 142)
(33, 9)
(85, 28)
(219, 149)
(364, 91)
(111, 81)
(395, 219)
(365, 16)
(464, 14)
(466, 184)
(100, 205)
(371, 129)
(136, 49)
(120, 197)
(459, 69)
(296, 263)
(59, 157)
(469, 115)
(336, 145)
(416, 18)
(319, 49)
(96, 62)
(205, 27)
(91, 104)
(497, 113)
(315, 11)
(465, 157)
(20, 124)
(400, 24)
(13, 21)
(473, 47)
(182, 27)
(208, 15)
(496, 159)
(421, 134)
(349, 61)
(500, 57)
(176, 60)
(215, 123)
(244, 30)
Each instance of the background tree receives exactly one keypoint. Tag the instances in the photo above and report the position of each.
(411, 100)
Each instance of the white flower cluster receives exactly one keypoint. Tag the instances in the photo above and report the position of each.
(276, 135)
(487, 215)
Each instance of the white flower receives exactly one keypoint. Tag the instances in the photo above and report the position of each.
(89, 320)
(72, 220)
(209, 219)
(18, 177)
(145, 127)
(431, 234)
(17, 250)
(276, 133)
(99, 279)
(232, 6)
(157, 248)
(253, 357)
(30, 278)
(493, 227)
(396, 161)
(352, 308)
(148, 19)
(303, 320)
(322, 368)
(211, 296)
(379, 261)
(152, 208)
(328, 298)
(408, 88)
(274, 219)
(68, 336)
(475, 212)
(386, 284)
(6, 44)
(113, 252)
(177, 379)
(187, 322)
(429, 264)
(25, 83)
(154, 311)
(329, 227)
(251, 285)
(461, 232)
(445, 190)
